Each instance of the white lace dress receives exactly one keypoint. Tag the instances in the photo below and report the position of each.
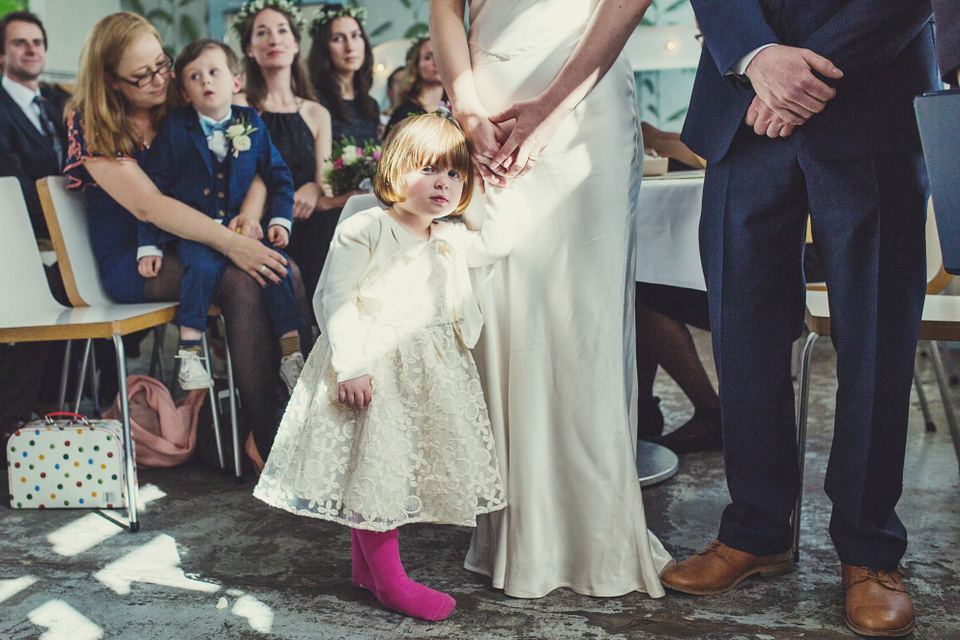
(422, 451)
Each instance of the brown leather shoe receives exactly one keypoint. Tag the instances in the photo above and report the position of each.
(718, 568)
(877, 602)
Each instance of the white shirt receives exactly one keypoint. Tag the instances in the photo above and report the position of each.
(24, 98)
(739, 67)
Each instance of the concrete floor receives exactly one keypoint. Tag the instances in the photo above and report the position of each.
(212, 562)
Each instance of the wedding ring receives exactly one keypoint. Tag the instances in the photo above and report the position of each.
(262, 268)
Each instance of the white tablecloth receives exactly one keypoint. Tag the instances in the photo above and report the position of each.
(668, 217)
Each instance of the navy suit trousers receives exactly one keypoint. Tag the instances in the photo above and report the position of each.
(203, 267)
(868, 224)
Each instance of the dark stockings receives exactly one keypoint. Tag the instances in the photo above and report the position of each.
(255, 353)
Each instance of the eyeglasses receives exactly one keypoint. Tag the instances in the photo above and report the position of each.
(142, 80)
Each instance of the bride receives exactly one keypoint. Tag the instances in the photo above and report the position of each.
(549, 108)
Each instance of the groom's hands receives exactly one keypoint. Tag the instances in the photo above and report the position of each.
(788, 88)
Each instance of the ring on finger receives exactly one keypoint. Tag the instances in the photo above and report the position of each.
(262, 268)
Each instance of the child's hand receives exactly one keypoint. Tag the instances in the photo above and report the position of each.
(278, 236)
(356, 392)
(149, 266)
(246, 227)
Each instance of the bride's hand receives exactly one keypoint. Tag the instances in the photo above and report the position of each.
(484, 139)
(536, 124)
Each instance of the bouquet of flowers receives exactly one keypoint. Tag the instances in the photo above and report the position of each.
(353, 166)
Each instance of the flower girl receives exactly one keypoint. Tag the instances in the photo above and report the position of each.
(388, 424)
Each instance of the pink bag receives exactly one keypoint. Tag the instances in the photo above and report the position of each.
(164, 434)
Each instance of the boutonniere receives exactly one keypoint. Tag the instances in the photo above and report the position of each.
(238, 133)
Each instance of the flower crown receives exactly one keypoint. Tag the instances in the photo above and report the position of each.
(253, 7)
(338, 11)
(443, 110)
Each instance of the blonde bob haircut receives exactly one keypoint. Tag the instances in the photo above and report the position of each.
(106, 127)
(420, 141)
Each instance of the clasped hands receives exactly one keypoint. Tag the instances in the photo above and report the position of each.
(788, 89)
(506, 145)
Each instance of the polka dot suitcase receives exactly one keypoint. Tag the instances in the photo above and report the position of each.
(58, 463)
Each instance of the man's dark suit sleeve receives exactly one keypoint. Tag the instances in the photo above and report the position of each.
(869, 33)
(948, 38)
(732, 29)
(10, 165)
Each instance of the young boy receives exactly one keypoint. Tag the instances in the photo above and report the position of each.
(206, 155)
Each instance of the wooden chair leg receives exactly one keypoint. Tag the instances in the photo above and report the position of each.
(802, 412)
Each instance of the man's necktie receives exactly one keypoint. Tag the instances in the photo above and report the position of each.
(50, 129)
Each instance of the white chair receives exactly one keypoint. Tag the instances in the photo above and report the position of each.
(67, 219)
(30, 313)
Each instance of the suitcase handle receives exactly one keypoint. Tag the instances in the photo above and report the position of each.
(77, 417)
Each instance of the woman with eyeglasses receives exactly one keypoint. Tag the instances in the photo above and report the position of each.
(123, 91)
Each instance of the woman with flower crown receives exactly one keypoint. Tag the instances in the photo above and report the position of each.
(548, 105)
(341, 68)
(123, 91)
(277, 86)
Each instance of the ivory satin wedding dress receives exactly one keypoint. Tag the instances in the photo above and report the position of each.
(557, 350)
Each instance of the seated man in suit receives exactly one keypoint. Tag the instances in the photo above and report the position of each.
(33, 137)
(32, 141)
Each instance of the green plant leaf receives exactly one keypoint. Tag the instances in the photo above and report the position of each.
(653, 109)
(184, 3)
(417, 30)
(161, 15)
(649, 85)
(675, 5)
(676, 115)
(189, 28)
(405, 3)
(373, 33)
(647, 22)
(135, 6)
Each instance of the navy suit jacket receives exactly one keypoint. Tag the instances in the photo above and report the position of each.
(182, 166)
(28, 154)
(883, 47)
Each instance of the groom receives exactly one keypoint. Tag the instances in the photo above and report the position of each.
(806, 108)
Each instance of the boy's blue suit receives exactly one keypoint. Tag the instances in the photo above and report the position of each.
(182, 165)
(856, 168)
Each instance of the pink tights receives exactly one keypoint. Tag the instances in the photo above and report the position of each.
(376, 567)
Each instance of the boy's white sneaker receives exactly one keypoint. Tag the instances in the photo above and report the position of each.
(193, 375)
(290, 368)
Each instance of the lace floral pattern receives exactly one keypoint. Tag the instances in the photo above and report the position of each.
(422, 451)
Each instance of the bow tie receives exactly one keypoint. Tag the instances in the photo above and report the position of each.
(209, 128)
